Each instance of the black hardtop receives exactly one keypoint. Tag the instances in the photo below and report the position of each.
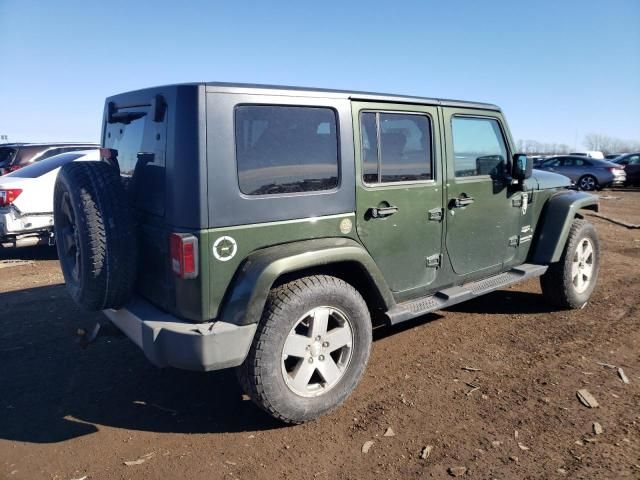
(256, 89)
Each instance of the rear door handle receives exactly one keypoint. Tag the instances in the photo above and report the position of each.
(462, 201)
(381, 212)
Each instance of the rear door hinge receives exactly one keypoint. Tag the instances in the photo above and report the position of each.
(513, 241)
(435, 214)
(434, 261)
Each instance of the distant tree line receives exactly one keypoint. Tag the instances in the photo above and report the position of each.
(607, 144)
(534, 147)
(593, 141)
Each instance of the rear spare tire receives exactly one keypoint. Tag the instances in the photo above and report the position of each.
(94, 234)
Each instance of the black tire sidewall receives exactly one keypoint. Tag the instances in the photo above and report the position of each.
(75, 288)
(107, 240)
(288, 404)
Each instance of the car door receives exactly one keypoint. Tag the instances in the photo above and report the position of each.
(483, 210)
(399, 191)
(632, 168)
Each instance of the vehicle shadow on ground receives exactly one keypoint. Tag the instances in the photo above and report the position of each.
(506, 302)
(53, 389)
(29, 253)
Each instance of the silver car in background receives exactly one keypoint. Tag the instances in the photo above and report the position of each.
(586, 173)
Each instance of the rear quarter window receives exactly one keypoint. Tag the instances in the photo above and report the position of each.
(286, 149)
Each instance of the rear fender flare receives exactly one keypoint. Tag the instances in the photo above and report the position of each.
(553, 229)
(247, 295)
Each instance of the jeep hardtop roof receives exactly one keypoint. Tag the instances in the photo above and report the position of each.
(249, 88)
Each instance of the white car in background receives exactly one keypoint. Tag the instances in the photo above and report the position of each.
(26, 200)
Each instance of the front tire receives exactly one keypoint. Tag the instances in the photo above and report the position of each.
(310, 350)
(570, 282)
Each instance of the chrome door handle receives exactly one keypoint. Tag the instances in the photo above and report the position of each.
(381, 212)
(462, 201)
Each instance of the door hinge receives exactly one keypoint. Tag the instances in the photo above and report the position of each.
(435, 214)
(433, 261)
(513, 241)
(517, 202)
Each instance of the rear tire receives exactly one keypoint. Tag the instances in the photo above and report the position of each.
(95, 235)
(570, 282)
(310, 349)
(588, 183)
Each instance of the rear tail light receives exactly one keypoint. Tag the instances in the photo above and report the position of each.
(184, 255)
(615, 170)
(7, 197)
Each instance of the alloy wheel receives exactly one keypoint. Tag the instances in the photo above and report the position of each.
(317, 351)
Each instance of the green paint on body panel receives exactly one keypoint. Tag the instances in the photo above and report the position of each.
(250, 238)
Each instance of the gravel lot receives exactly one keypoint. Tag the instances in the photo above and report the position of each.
(68, 410)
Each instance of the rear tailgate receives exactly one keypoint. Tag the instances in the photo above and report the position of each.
(145, 130)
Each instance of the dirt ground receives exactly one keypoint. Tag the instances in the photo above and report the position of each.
(68, 411)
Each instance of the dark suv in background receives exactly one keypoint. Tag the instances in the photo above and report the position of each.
(14, 156)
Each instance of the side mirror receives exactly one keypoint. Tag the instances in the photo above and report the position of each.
(522, 167)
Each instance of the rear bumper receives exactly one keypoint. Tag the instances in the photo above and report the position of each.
(169, 342)
(13, 223)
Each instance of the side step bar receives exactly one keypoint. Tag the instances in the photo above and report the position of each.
(450, 296)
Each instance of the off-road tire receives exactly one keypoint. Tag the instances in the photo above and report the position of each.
(100, 272)
(261, 374)
(557, 283)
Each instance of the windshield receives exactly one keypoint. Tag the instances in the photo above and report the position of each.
(43, 167)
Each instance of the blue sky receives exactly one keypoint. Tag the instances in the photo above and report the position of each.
(559, 69)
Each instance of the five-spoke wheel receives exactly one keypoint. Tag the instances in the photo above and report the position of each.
(310, 349)
(317, 351)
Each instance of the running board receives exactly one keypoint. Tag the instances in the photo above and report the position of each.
(450, 296)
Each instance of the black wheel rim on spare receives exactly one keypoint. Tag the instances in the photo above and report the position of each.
(69, 238)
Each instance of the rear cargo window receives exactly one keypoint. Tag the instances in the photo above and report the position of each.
(283, 149)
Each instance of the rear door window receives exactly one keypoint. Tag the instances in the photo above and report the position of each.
(478, 146)
(286, 149)
(396, 147)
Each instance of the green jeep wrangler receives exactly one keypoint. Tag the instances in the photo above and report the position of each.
(269, 228)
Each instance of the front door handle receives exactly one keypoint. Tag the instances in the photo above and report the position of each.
(381, 212)
(462, 201)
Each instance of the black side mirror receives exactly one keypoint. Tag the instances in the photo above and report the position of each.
(522, 167)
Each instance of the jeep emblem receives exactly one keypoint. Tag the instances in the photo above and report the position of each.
(225, 248)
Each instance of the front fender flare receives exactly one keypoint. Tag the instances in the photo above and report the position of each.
(248, 292)
(553, 229)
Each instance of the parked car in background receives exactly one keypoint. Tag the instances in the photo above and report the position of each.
(538, 159)
(586, 173)
(590, 154)
(14, 156)
(26, 200)
(611, 156)
(631, 164)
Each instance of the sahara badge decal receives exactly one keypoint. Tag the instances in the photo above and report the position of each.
(224, 248)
